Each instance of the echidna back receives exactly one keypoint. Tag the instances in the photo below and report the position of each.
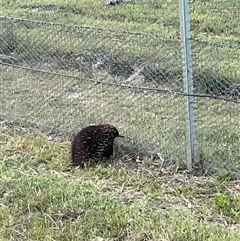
(93, 142)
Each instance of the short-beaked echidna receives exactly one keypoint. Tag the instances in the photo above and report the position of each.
(93, 142)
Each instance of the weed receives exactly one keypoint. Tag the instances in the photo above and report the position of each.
(223, 203)
(225, 176)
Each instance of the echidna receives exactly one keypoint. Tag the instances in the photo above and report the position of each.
(93, 142)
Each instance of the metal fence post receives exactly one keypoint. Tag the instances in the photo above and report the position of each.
(188, 81)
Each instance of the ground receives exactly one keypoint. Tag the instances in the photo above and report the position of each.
(42, 199)
(87, 62)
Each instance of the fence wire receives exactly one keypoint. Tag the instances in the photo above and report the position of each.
(69, 77)
(216, 58)
(65, 67)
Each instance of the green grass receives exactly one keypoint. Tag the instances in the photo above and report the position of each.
(216, 22)
(216, 18)
(55, 39)
(125, 199)
(115, 201)
(153, 120)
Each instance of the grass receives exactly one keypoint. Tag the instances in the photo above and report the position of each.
(57, 41)
(60, 108)
(135, 198)
(103, 35)
(216, 22)
(153, 122)
(114, 201)
(214, 18)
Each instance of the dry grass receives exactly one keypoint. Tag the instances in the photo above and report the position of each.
(138, 198)
(151, 120)
(110, 201)
(107, 52)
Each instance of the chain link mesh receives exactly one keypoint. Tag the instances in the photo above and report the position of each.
(59, 72)
(70, 77)
(216, 58)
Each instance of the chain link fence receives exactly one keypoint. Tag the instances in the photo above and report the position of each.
(216, 58)
(70, 77)
(66, 72)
